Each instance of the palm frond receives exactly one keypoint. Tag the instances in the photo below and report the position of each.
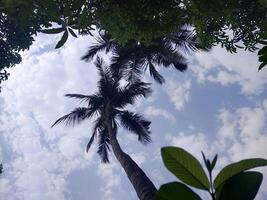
(76, 116)
(138, 89)
(80, 97)
(98, 125)
(103, 145)
(103, 43)
(168, 56)
(100, 66)
(154, 73)
(131, 92)
(185, 40)
(133, 72)
(136, 124)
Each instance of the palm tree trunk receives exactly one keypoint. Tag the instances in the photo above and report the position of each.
(143, 186)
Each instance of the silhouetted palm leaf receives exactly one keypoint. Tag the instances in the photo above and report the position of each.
(76, 116)
(98, 124)
(186, 40)
(103, 145)
(81, 97)
(104, 42)
(131, 92)
(136, 124)
(154, 73)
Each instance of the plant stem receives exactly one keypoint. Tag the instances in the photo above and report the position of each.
(212, 190)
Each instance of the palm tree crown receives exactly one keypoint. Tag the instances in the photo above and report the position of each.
(117, 97)
(134, 58)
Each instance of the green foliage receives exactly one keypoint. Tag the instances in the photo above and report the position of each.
(248, 185)
(263, 51)
(175, 189)
(232, 23)
(185, 167)
(232, 183)
(235, 168)
(138, 20)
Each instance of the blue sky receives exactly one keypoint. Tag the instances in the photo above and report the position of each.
(219, 105)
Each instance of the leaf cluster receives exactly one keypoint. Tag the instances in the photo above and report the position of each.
(232, 182)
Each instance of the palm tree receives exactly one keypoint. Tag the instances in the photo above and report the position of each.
(107, 106)
(134, 58)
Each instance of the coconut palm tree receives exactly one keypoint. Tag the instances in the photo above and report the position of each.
(107, 106)
(134, 58)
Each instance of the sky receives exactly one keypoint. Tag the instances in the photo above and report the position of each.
(218, 106)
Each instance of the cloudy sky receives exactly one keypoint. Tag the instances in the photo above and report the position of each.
(218, 106)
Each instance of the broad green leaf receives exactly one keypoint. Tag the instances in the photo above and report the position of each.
(174, 191)
(244, 185)
(52, 31)
(185, 167)
(72, 32)
(235, 168)
(62, 40)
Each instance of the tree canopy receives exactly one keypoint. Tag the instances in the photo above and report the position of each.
(232, 23)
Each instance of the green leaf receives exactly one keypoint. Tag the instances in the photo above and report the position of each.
(52, 31)
(261, 66)
(235, 168)
(72, 32)
(244, 185)
(62, 40)
(185, 167)
(174, 191)
(263, 50)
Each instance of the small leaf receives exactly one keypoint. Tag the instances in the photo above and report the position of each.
(261, 66)
(174, 191)
(262, 50)
(204, 157)
(72, 32)
(235, 168)
(213, 163)
(63, 40)
(185, 167)
(263, 42)
(244, 185)
(52, 31)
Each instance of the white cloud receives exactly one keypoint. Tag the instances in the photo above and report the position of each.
(111, 176)
(155, 112)
(38, 159)
(225, 68)
(179, 93)
(228, 129)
